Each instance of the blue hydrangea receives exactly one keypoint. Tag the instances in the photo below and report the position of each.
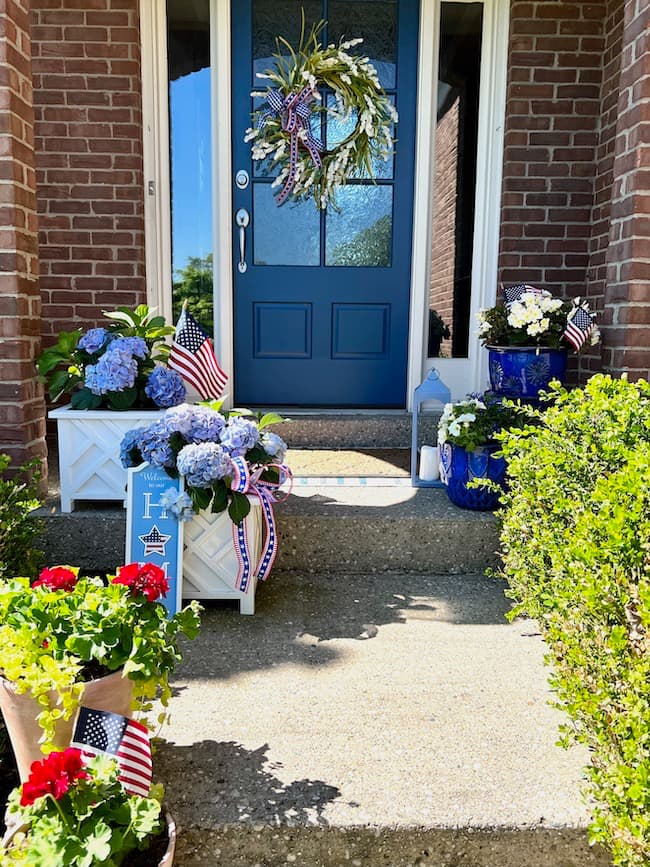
(130, 440)
(274, 445)
(154, 445)
(178, 503)
(196, 423)
(93, 340)
(137, 346)
(116, 370)
(165, 387)
(203, 463)
(239, 436)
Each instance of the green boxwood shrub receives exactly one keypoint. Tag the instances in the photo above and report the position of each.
(576, 553)
(18, 528)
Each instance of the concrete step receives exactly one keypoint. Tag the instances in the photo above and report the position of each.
(324, 527)
(366, 720)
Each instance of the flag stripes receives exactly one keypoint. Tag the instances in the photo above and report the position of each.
(579, 327)
(98, 732)
(192, 356)
(514, 293)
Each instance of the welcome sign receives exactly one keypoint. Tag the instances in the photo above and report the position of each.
(153, 534)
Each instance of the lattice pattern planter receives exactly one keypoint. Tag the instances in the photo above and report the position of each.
(210, 564)
(89, 452)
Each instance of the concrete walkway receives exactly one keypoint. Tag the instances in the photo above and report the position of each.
(384, 719)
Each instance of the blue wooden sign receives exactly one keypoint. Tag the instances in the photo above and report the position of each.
(154, 534)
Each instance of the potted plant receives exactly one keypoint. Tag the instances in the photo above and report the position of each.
(469, 451)
(233, 467)
(77, 814)
(113, 375)
(528, 335)
(66, 639)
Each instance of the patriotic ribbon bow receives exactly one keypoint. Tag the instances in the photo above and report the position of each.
(294, 113)
(268, 493)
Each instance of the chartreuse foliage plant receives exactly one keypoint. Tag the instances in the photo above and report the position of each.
(64, 630)
(576, 553)
(77, 815)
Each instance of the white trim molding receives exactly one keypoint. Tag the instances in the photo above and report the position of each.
(221, 76)
(461, 375)
(155, 136)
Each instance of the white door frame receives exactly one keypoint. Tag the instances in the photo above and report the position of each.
(461, 375)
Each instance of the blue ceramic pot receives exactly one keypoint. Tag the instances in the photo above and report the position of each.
(523, 371)
(458, 467)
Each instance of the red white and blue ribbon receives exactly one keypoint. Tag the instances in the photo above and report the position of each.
(294, 113)
(268, 493)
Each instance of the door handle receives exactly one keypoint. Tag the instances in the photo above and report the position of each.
(242, 219)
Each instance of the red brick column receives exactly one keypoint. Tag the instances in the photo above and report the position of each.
(22, 409)
(627, 295)
(553, 105)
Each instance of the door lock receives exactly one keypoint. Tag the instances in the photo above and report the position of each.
(241, 179)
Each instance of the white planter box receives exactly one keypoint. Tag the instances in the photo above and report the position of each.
(210, 565)
(89, 451)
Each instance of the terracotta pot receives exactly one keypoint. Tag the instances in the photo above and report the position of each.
(168, 858)
(112, 693)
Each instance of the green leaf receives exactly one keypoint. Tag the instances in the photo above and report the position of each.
(239, 507)
(220, 498)
(270, 418)
(120, 316)
(58, 383)
(122, 400)
(85, 399)
(200, 497)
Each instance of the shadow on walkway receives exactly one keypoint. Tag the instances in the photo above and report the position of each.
(211, 784)
(299, 614)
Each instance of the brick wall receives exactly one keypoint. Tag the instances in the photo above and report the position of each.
(551, 138)
(87, 99)
(591, 359)
(443, 236)
(627, 295)
(21, 400)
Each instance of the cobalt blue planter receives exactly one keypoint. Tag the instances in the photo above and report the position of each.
(458, 467)
(523, 371)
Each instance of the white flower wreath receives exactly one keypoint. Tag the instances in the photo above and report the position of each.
(282, 131)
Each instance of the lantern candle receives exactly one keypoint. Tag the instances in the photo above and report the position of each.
(429, 470)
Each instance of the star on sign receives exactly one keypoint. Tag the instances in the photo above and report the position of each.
(154, 541)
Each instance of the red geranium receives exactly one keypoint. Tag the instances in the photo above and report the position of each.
(57, 578)
(148, 579)
(53, 776)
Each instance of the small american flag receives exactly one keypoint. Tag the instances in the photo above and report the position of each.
(514, 293)
(579, 326)
(98, 732)
(192, 355)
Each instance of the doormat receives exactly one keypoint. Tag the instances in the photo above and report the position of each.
(355, 482)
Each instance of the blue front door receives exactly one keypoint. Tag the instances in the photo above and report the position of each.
(322, 309)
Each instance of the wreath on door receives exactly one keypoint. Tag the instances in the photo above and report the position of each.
(285, 133)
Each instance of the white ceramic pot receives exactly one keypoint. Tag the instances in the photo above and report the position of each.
(89, 451)
(210, 563)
